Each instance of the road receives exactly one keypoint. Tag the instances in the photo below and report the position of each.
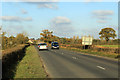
(68, 64)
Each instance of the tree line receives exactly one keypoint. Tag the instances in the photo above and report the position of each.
(106, 35)
(12, 41)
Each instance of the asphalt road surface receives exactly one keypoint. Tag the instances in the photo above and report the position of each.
(68, 64)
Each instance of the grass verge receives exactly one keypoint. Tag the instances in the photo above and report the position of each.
(88, 51)
(30, 66)
(111, 46)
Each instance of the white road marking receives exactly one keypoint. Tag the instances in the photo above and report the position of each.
(74, 57)
(101, 67)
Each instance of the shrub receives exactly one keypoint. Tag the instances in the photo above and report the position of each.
(9, 42)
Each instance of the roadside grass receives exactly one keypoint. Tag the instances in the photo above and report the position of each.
(88, 51)
(112, 46)
(30, 66)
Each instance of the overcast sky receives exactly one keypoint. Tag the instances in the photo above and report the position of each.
(65, 19)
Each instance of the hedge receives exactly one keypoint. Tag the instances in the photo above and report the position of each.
(10, 58)
(96, 48)
(106, 49)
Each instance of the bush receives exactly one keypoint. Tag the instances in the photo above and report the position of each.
(21, 39)
(103, 42)
(9, 42)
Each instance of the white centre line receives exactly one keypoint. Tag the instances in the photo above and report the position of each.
(101, 67)
(74, 57)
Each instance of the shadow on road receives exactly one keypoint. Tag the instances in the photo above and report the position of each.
(44, 50)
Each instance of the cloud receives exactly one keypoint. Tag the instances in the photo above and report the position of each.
(102, 21)
(103, 12)
(23, 11)
(62, 26)
(61, 20)
(93, 0)
(102, 16)
(60, 0)
(27, 19)
(30, 0)
(48, 5)
(16, 27)
(15, 18)
(39, 0)
(13, 29)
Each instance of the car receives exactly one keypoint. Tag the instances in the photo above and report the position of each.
(42, 46)
(54, 45)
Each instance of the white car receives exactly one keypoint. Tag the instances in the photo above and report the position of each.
(42, 46)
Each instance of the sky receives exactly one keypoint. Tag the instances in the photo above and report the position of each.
(65, 19)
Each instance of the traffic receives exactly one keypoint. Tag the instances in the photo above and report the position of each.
(44, 46)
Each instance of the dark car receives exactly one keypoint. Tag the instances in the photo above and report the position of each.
(54, 45)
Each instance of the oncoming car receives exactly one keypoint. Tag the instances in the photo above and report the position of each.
(42, 46)
(54, 45)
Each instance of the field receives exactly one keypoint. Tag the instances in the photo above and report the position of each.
(30, 66)
(111, 46)
(88, 51)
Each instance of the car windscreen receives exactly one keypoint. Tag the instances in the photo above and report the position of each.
(55, 44)
(42, 44)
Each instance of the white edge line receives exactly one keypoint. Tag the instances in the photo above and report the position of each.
(101, 67)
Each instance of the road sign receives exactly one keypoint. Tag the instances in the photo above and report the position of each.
(87, 40)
